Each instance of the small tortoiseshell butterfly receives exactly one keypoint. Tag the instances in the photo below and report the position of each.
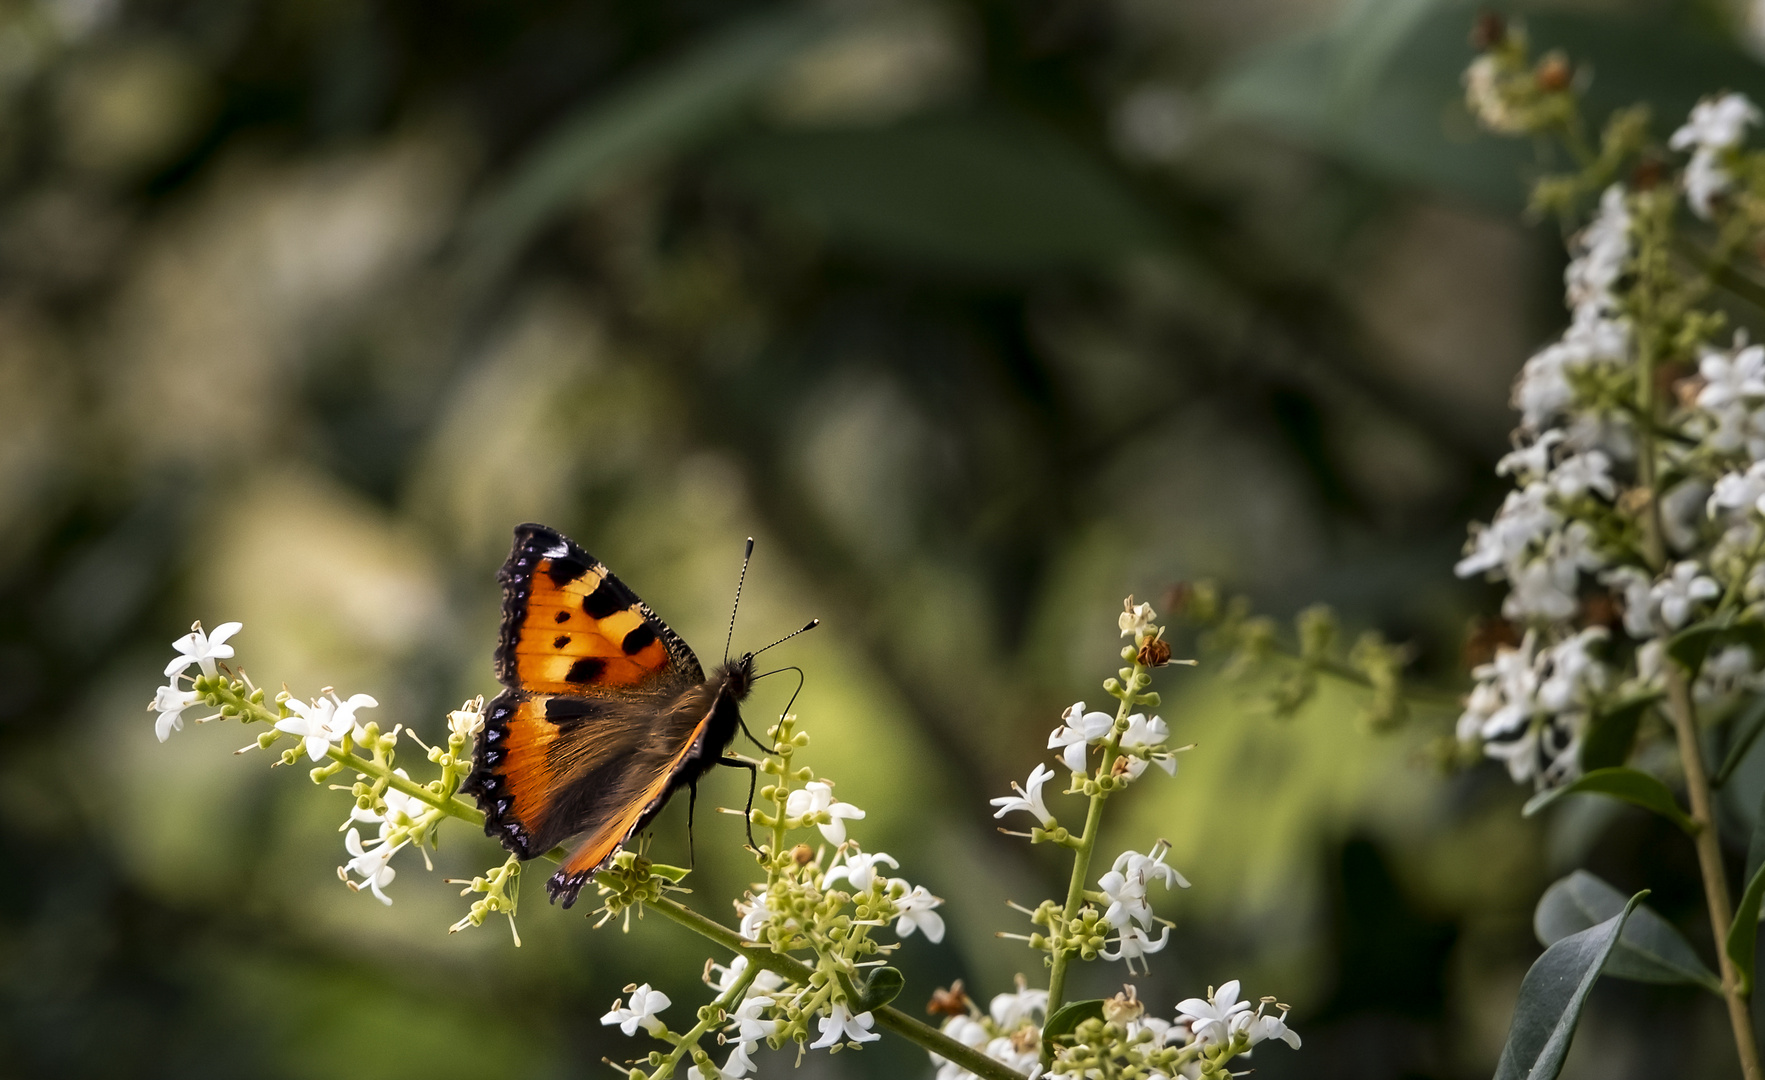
(607, 712)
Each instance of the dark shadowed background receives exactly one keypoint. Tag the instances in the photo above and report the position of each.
(977, 315)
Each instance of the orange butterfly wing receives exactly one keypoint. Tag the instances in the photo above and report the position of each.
(605, 705)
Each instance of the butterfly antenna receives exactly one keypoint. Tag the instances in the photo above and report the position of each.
(813, 623)
(746, 556)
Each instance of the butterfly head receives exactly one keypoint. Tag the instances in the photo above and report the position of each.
(738, 676)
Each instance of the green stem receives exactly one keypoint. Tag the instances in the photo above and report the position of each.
(699, 1030)
(1681, 712)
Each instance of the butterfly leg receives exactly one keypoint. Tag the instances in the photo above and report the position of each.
(753, 780)
(692, 801)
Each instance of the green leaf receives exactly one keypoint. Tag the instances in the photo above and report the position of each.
(1067, 1018)
(1629, 785)
(1551, 999)
(632, 127)
(1612, 733)
(1691, 645)
(1747, 724)
(979, 192)
(1381, 91)
(883, 986)
(1650, 950)
(1743, 932)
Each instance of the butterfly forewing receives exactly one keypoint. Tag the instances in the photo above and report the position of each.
(571, 627)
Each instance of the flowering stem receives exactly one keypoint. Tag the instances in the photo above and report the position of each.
(889, 1017)
(1682, 713)
(709, 1018)
(1081, 861)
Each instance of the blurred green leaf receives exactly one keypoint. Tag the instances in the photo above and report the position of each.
(1067, 1018)
(1612, 733)
(1691, 645)
(978, 191)
(657, 114)
(1395, 110)
(1551, 998)
(1745, 730)
(1650, 950)
(1629, 785)
(1742, 945)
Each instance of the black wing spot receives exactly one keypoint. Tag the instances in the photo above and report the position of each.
(638, 640)
(604, 601)
(587, 669)
(560, 641)
(565, 570)
(562, 616)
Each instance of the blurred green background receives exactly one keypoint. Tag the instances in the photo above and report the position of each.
(978, 315)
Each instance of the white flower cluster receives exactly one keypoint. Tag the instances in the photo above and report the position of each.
(201, 649)
(1715, 128)
(1010, 1033)
(1215, 1019)
(1530, 706)
(1567, 529)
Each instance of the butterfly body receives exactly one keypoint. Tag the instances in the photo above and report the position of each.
(606, 715)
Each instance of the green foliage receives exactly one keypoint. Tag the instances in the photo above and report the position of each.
(1552, 996)
(1649, 950)
(1624, 784)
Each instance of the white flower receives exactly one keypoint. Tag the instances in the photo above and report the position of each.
(859, 869)
(1682, 513)
(1523, 521)
(1133, 943)
(754, 916)
(765, 982)
(1529, 463)
(645, 1005)
(467, 721)
(1569, 674)
(750, 1024)
(203, 649)
(401, 809)
(1212, 1019)
(816, 797)
(1145, 735)
(914, 912)
(371, 864)
(1019, 1052)
(1029, 797)
(170, 702)
(1011, 1010)
(345, 714)
(1730, 377)
(1125, 885)
(1079, 729)
(1600, 252)
(1725, 672)
(841, 1025)
(1135, 618)
(1263, 1027)
(1638, 606)
(1715, 126)
(317, 724)
(1683, 588)
(1717, 123)
(1578, 474)
(1737, 491)
(967, 1032)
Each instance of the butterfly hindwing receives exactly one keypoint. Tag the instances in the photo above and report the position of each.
(551, 767)
(571, 627)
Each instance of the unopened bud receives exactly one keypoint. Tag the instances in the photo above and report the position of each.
(1553, 72)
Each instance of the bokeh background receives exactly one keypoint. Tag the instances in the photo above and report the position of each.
(977, 314)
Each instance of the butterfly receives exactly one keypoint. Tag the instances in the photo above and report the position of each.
(606, 715)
